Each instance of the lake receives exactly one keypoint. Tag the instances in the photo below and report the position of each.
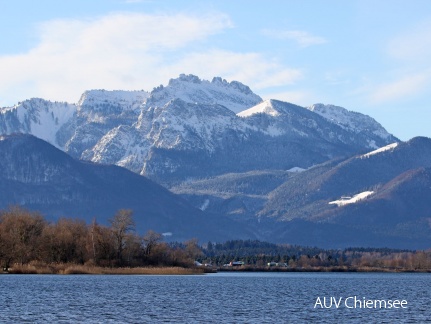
(214, 298)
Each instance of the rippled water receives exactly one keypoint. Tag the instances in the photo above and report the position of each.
(214, 298)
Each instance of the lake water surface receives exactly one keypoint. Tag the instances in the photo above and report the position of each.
(213, 298)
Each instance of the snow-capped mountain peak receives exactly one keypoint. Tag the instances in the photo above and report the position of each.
(115, 101)
(189, 88)
(36, 116)
(265, 107)
(351, 120)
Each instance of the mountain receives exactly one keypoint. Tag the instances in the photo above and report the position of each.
(73, 127)
(238, 195)
(354, 122)
(189, 88)
(97, 112)
(331, 181)
(375, 199)
(183, 140)
(38, 117)
(38, 176)
(193, 129)
(238, 166)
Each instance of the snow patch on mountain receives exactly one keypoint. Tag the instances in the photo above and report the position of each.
(351, 200)
(296, 169)
(205, 205)
(382, 149)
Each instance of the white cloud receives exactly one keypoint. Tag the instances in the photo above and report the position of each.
(337, 77)
(136, 1)
(252, 69)
(297, 97)
(409, 54)
(413, 45)
(404, 87)
(303, 38)
(130, 51)
(122, 51)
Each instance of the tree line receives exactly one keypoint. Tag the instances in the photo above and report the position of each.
(26, 236)
(259, 254)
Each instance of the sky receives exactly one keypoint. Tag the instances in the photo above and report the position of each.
(372, 57)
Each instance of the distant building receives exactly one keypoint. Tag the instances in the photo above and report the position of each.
(236, 263)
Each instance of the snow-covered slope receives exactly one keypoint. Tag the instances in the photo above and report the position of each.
(189, 114)
(354, 122)
(73, 127)
(270, 135)
(102, 102)
(335, 124)
(351, 200)
(379, 150)
(177, 126)
(99, 111)
(36, 116)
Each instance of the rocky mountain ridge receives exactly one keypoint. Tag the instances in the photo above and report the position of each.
(221, 125)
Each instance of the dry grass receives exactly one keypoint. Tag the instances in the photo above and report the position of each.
(82, 269)
(41, 268)
(31, 269)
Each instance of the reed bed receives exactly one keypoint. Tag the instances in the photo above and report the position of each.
(68, 269)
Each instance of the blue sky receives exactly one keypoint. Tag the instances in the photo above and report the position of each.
(367, 56)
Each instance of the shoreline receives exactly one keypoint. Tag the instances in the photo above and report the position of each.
(75, 269)
(322, 269)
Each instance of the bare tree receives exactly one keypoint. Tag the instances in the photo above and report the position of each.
(150, 240)
(121, 224)
(65, 241)
(193, 250)
(20, 233)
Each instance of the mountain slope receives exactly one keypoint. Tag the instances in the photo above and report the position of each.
(337, 125)
(184, 140)
(354, 122)
(38, 176)
(398, 215)
(375, 199)
(39, 117)
(238, 195)
(73, 127)
(347, 178)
